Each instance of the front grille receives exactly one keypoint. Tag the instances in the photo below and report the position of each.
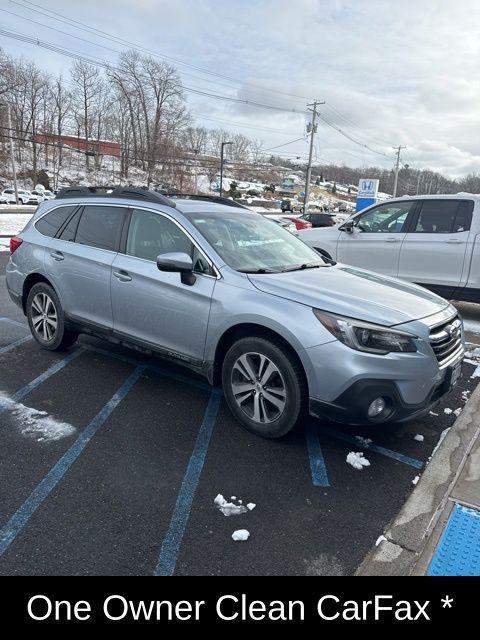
(446, 341)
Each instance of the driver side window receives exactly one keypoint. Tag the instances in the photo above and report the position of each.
(387, 218)
(151, 234)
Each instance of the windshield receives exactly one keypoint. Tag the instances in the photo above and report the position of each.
(253, 244)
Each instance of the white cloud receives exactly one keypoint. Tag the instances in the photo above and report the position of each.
(399, 73)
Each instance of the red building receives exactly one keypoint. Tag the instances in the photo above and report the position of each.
(93, 147)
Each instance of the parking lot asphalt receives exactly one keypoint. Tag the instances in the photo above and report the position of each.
(119, 475)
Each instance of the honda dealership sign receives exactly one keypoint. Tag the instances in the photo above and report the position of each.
(367, 193)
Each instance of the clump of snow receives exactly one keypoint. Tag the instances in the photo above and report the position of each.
(357, 460)
(465, 395)
(473, 357)
(229, 508)
(380, 539)
(418, 437)
(363, 442)
(442, 438)
(457, 412)
(432, 413)
(35, 424)
(240, 535)
(251, 506)
(416, 479)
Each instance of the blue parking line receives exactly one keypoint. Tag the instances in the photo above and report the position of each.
(413, 462)
(15, 322)
(318, 468)
(173, 539)
(157, 369)
(58, 366)
(15, 344)
(21, 517)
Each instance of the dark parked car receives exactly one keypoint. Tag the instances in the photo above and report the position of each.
(320, 219)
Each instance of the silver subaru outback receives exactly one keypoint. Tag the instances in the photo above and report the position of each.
(235, 297)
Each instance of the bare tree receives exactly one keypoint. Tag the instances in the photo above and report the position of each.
(87, 85)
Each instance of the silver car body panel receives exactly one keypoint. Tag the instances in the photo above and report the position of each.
(156, 308)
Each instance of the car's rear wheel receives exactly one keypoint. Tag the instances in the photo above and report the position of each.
(263, 386)
(46, 318)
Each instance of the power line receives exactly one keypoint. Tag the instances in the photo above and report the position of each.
(351, 138)
(356, 125)
(77, 24)
(201, 116)
(109, 67)
(169, 160)
(285, 144)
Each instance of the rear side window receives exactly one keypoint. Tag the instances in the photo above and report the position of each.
(70, 229)
(50, 223)
(463, 219)
(444, 216)
(100, 226)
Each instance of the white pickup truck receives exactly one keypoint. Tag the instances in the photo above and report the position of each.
(433, 241)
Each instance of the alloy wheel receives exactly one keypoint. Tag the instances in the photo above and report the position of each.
(44, 317)
(258, 387)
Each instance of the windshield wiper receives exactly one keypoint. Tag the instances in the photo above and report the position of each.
(261, 270)
(301, 267)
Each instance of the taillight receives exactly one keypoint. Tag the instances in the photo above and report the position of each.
(15, 242)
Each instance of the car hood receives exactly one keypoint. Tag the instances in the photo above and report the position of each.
(354, 293)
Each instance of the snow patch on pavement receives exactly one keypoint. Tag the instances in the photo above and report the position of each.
(240, 535)
(229, 508)
(357, 460)
(416, 479)
(419, 438)
(380, 539)
(35, 424)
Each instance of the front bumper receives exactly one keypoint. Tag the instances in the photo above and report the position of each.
(343, 382)
(352, 405)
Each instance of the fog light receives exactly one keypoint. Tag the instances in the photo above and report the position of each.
(376, 408)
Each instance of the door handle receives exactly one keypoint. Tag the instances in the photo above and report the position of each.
(391, 239)
(122, 276)
(57, 255)
(454, 241)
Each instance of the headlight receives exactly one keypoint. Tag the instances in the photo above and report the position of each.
(365, 336)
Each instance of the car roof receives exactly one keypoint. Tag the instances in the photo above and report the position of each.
(185, 206)
(463, 195)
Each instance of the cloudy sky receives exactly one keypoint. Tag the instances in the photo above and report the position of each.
(391, 73)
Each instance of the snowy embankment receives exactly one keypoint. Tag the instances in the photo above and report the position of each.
(11, 224)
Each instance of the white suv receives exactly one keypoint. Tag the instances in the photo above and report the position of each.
(433, 241)
(8, 196)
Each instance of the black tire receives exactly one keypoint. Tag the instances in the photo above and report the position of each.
(42, 327)
(288, 377)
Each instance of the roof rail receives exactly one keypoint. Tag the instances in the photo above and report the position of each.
(115, 192)
(216, 199)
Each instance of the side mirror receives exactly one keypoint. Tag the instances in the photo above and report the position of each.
(347, 226)
(177, 263)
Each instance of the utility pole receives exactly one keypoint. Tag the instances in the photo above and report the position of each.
(418, 183)
(12, 149)
(195, 168)
(397, 169)
(221, 165)
(313, 131)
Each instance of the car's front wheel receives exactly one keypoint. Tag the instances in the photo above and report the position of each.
(46, 319)
(263, 386)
